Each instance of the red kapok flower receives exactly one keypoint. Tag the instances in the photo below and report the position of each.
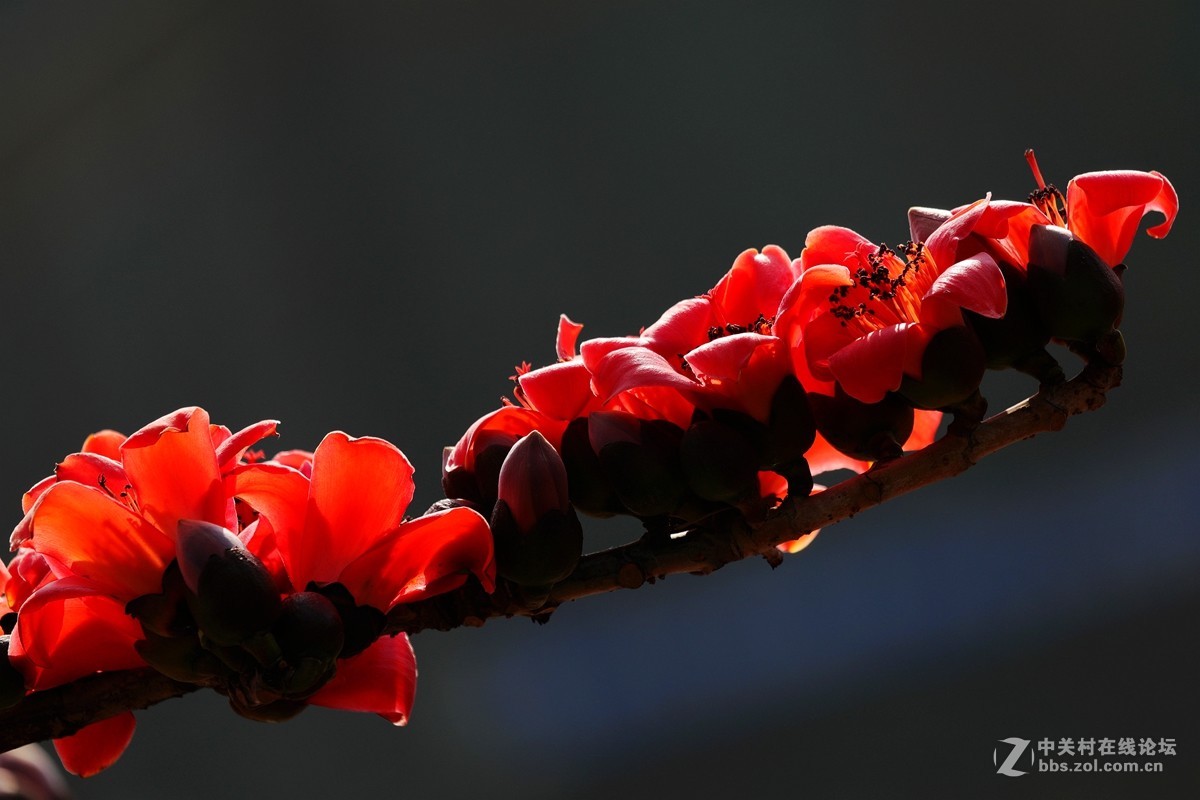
(863, 314)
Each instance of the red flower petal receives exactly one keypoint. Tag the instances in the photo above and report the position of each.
(31, 496)
(682, 327)
(96, 747)
(870, 367)
(753, 286)
(635, 367)
(173, 467)
(91, 469)
(66, 630)
(1104, 209)
(568, 334)
(976, 284)
(831, 244)
(562, 391)
(358, 493)
(1006, 226)
(105, 443)
(824, 457)
(230, 451)
(102, 540)
(276, 492)
(925, 428)
(380, 680)
(427, 556)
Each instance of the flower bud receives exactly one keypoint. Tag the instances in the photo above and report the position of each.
(1018, 338)
(720, 463)
(641, 461)
(310, 636)
(587, 484)
(533, 481)
(951, 369)
(538, 537)
(232, 594)
(361, 625)
(181, 658)
(1080, 298)
(791, 429)
(866, 431)
(165, 614)
(275, 711)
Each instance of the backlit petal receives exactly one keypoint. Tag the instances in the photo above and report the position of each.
(1104, 209)
(568, 334)
(102, 540)
(426, 556)
(358, 493)
(870, 367)
(562, 391)
(173, 467)
(380, 680)
(96, 747)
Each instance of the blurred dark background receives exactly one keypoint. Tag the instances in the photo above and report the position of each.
(360, 216)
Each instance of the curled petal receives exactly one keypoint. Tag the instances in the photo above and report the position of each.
(502, 426)
(232, 449)
(96, 747)
(831, 244)
(380, 680)
(30, 497)
(870, 367)
(682, 326)
(976, 284)
(427, 556)
(635, 367)
(562, 391)
(93, 470)
(1105, 208)
(568, 335)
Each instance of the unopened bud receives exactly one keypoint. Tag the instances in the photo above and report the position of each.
(951, 369)
(1020, 336)
(1079, 296)
(310, 635)
(181, 658)
(533, 481)
(587, 484)
(232, 594)
(641, 461)
(867, 431)
(719, 462)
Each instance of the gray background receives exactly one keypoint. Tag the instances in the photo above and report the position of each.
(359, 216)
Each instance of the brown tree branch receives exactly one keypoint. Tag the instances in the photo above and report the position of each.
(63, 710)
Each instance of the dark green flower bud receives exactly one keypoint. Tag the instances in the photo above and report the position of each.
(1018, 338)
(232, 595)
(641, 460)
(587, 483)
(12, 682)
(1079, 296)
(310, 635)
(181, 658)
(720, 463)
(951, 369)
(791, 429)
(165, 614)
(361, 625)
(866, 431)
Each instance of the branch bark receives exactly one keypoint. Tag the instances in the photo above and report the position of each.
(58, 712)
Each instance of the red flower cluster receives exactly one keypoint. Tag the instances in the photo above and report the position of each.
(271, 580)
(266, 580)
(842, 357)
